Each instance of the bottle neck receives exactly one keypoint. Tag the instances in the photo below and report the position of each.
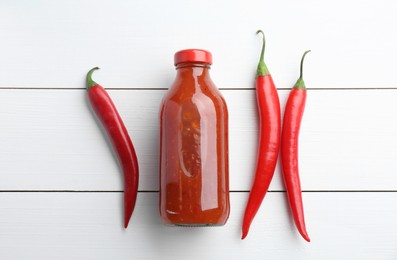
(193, 75)
(196, 68)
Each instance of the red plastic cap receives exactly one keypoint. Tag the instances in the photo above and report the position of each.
(193, 55)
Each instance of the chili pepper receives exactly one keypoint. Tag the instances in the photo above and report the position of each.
(121, 142)
(289, 150)
(270, 131)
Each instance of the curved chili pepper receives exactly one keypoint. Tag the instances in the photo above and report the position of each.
(121, 142)
(270, 130)
(289, 150)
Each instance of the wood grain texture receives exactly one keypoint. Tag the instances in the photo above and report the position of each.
(52, 44)
(89, 226)
(51, 141)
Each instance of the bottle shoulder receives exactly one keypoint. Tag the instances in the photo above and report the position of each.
(181, 95)
(194, 86)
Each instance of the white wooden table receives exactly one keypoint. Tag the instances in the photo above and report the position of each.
(60, 185)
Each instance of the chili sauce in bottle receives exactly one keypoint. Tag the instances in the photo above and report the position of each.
(194, 171)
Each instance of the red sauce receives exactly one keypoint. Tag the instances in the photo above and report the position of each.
(194, 184)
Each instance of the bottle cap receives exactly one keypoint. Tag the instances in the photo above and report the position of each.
(193, 55)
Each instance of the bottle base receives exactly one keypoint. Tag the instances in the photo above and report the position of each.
(194, 225)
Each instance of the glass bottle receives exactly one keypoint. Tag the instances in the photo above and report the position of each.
(194, 182)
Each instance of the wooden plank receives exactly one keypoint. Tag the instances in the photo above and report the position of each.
(50, 140)
(89, 226)
(53, 44)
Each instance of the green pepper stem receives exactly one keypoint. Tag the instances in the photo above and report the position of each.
(303, 58)
(262, 68)
(90, 82)
(300, 83)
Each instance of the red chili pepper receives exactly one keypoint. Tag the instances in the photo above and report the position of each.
(289, 150)
(121, 142)
(270, 130)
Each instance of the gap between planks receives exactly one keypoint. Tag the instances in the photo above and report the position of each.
(155, 191)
